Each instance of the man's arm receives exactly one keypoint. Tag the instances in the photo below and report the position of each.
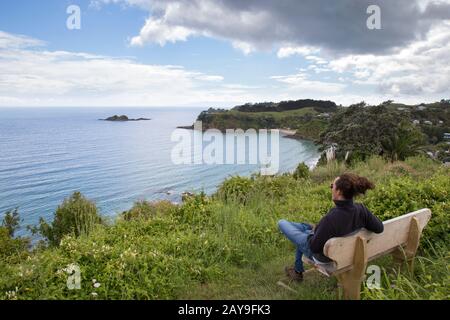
(372, 222)
(322, 233)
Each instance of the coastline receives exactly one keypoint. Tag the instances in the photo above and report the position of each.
(285, 133)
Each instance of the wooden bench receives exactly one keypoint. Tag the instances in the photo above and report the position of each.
(351, 253)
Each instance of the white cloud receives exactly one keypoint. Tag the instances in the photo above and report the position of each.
(422, 68)
(300, 82)
(407, 60)
(287, 51)
(157, 31)
(10, 41)
(338, 26)
(245, 47)
(173, 21)
(30, 76)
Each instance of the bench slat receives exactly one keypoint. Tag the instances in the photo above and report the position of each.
(395, 234)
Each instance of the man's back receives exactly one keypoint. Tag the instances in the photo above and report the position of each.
(342, 220)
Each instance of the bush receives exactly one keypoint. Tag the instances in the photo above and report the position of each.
(235, 189)
(402, 195)
(301, 172)
(216, 247)
(148, 210)
(195, 210)
(76, 215)
(11, 221)
(9, 246)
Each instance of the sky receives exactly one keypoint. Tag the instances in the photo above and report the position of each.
(221, 53)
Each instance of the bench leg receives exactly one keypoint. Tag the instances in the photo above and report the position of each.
(350, 281)
(409, 252)
(350, 286)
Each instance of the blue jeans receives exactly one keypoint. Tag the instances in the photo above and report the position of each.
(298, 233)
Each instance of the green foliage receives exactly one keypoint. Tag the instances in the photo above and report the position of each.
(305, 121)
(301, 172)
(403, 142)
(405, 194)
(319, 105)
(76, 215)
(11, 221)
(228, 245)
(235, 189)
(430, 280)
(195, 210)
(148, 210)
(12, 249)
(366, 131)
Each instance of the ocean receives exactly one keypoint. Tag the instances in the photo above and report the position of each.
(48, 153)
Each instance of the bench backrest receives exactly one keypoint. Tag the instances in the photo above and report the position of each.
(395, 234)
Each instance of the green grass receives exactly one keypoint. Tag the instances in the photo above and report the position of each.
(228, 246)
(303, 120)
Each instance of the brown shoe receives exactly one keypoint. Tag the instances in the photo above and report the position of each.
(293, 275)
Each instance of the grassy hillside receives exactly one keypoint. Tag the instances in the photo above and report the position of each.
(227, 245)
(306, 121)
(391, 129)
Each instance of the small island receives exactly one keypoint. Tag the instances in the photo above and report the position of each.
(123, 118)
(191, 127)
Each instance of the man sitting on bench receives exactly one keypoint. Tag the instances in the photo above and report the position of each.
(345, 218)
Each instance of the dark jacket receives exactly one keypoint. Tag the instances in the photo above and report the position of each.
(345, 218)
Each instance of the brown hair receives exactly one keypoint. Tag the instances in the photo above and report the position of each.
(351, 185)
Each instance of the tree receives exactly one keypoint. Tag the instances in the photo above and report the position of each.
(374, 130)
(403, 142)
(76, 215)
(12, 247)
(301, 172)
(11, 221)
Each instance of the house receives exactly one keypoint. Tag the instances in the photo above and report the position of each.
(415, 121)
(428, 122)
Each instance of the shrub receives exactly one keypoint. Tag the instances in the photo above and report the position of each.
(301, 172)
(401, 195)
(328, 172)
(235, 189)
(147, 210)
(76, 215)
(195, 210)
(10, 246)
(158, 250)
(11, 221)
